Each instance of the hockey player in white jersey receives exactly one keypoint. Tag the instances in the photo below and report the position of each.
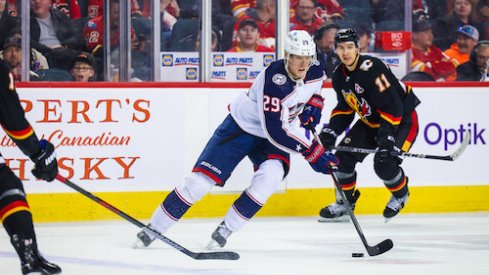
(264, 125)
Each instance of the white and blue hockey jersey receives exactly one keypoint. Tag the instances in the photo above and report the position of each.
(270, 108)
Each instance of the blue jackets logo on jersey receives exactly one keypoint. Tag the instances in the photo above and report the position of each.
(167, 60)
(279, 79)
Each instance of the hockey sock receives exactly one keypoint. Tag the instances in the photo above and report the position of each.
(180, 200)
(242, 210)
(398, 186)
(15, 214)
(348, 182)
(265, 181)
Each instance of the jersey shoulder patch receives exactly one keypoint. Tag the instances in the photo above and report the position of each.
(315, 71)
(277, 82)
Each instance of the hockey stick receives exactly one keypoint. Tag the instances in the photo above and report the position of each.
(375, 250)
(452, 157)
(220, 255)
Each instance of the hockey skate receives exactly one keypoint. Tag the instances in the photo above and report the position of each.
(394, 206)
(219, 236)
(337, 212)
(144, 238)
(31, 260)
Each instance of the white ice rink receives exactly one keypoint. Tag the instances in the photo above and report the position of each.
(446, 244)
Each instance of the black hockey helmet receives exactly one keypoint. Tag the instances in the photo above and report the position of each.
(346, 35)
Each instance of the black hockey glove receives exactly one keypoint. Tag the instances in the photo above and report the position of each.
(320, 159)
(311, 115)
(46, 165)
(328, 137)
(387, 150)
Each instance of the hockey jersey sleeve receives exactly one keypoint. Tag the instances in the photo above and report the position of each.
(342, 115)
(12, 116)
(279, 110)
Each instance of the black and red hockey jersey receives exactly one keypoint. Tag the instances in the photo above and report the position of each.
(373, 92)
(12, 116)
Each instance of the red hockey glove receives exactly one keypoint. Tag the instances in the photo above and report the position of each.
(319, 159)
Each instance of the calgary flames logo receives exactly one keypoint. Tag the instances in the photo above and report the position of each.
(362, 107)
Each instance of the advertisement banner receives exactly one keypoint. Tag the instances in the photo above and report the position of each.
(148, 139)
(226, 66)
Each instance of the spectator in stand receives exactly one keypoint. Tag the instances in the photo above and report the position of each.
(239, 7)
(425, 56)
(52, 34)
(223, 19)
(327, 10)
(95, 8)
(8, 7)
(93, 32)
(324, 39)
(8, 21)
(214, 41)
(445, 28)
(438, 8)
(83, 68)
(12, 55)
(68, 7)
(169, 10)
(389, 14)
(264, 15)
(482, 16)
(365, 36)
(477, 68)
(305, 17)
(467, 38)
(248, 38)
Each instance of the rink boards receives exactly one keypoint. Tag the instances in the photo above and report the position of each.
(132, 143)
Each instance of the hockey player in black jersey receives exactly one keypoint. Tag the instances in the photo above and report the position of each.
(14, 209)
(387, 120)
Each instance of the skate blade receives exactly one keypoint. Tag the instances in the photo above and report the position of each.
(342, 219)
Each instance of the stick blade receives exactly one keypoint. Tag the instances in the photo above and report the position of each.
(380, 248)
(219, 255)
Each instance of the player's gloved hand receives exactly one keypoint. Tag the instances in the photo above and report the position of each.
(319, 159)
(387, 149)
(46, 165)
(311, 115)
(328, 137)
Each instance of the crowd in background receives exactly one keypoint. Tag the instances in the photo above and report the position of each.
(448, 36)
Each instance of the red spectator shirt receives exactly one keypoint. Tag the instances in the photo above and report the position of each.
(95, 8)
(12, 7)
(265, 29)
(258, 49)
(433, 62)
(325, 8)
(238, 7)
(93, 32)
(296, 25)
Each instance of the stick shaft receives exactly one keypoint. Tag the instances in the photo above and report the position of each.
(223, 255)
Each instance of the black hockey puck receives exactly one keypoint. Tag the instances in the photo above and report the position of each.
(357, 255)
